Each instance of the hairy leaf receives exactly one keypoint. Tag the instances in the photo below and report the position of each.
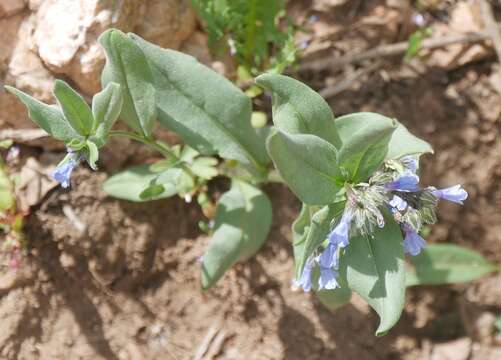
(74, 107)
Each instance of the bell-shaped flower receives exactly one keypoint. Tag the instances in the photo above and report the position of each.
(397, 203)
(413, 243)
(340, 236)
(407, 182)
(62, 173)
(327, 279)
(454, 193)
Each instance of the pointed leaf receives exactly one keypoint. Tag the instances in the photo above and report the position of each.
(300, 228)
(242, 222)
(106, 107)
(127, 66)
(74, 107)
(374, 269)
(308, 164)
(365, 138)
(210, 113)
(297, 109)
(48, 117)
(447, 264)
(403, 143)
(334, 299)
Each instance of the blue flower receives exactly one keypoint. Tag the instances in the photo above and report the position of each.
(407, 182)
(454, 193)
(413, 243)
(63, 172)
(329, 257)
(305, 280)
(411, 163)
(397, 203)
(340, 236)
(327, 279)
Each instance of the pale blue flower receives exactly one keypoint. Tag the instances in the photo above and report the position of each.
(305, 280)
(329, 257)
(413, 243)
(327, 279)
(407, 182)
(340, 236)
(397, 203)
(454, 193)
(62, 173)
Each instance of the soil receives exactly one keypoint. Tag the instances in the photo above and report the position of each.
(128, 286)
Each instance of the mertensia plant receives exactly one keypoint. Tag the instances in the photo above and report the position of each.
(363, 207)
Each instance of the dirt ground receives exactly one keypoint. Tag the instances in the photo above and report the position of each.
(127, 287)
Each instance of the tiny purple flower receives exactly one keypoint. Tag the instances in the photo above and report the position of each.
(413, 243)
(327, 279)
(63, 172)
(397, 203)
(407, 182)
(411, 163)
(454, 193)
(305, 280)
(329, 257)
(340, 236)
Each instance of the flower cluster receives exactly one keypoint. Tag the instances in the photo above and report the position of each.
(396, 188)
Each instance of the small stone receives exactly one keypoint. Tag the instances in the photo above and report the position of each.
(453, 350)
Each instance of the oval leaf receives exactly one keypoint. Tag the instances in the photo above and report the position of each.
(130, 184)
(308, 164)
(447, 264)
(365, 138)
(403, 143)
(74, 107)
(374, 268)
(297, 109)
(210, 113)
(334, 299)
(242, 222)
(48, 117)
(127, 66)
(106, 107)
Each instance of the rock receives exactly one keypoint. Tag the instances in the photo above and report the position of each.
(453, 350)
(11, 7)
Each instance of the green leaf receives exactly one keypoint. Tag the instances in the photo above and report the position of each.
(106, 107)
(74, 107)
(242, 222)
(151, 192)
(334, 299)
(365, 138)
(374, 269)
(92, 155)
(204, 167)
(319, 227)
(129, 184)
(48, 117)
(447, 264)
(308, 164)
(297, 109)
(127, 66)
(7, 200)
(403, 143)
(300, 228)
(210, 113)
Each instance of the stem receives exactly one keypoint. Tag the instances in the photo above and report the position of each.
(161, 147)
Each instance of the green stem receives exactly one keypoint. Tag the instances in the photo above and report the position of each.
(159, 146)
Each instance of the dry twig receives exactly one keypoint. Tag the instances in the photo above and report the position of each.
(491, 26)
(392, 50)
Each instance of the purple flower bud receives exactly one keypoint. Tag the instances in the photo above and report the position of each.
(413, 243)
(340, 236)
(327, 279)
(397, 203)
(329, 257)
(454, 193)
(411, 163)
(305, 280)
(407, 182)
(63, 172)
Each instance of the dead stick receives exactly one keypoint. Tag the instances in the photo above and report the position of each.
(491, 26)
(392, 50)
